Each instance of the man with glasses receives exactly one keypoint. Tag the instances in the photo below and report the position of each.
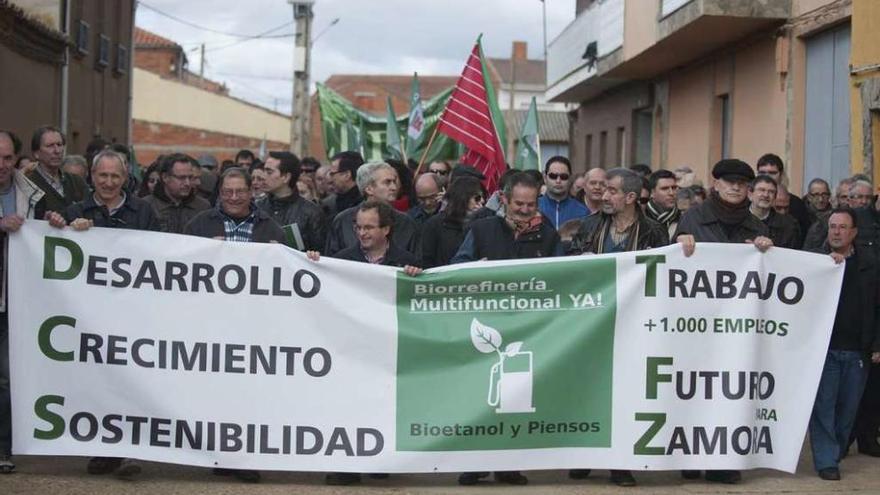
(174, 198)
(772, 165)
(343, 173)
(556, 204)
(235, 218)
(783, 228)
(818, 232)
(819, 197)
(429, 192)
(861, 194)
(442, 170)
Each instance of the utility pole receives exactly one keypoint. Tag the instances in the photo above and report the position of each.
(202, 64)
(302, 60)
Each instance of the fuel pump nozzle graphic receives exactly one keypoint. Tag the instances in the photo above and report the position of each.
(511, 378)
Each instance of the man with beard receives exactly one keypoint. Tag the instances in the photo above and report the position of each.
(723, 217)
(174, 198)
(783, 229)
(819, 197)
(662, 207)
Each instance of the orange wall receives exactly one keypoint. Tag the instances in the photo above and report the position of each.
(691, 94)
(759, 104)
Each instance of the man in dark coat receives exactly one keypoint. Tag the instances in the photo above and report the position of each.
(284, 204)
(855, 338)
(60, 188)
(620, 225)
(773, 166)
(723, 217)
(343, 175)
(235, 218)
(782, 228)
(174, 198)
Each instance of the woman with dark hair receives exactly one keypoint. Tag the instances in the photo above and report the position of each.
(442, 233)
(405, 181)
(151, 178)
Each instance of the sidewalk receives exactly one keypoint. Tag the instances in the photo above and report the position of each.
(66, 475)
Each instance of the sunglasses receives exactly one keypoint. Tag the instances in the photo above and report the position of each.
(438, 172)
(555, 176)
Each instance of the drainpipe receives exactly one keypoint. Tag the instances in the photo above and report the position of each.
(65, 70)
(129, 137)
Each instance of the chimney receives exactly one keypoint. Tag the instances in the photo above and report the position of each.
(520, 50)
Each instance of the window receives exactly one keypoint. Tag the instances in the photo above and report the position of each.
(103, 52)
(82, 38)
(621, 147)
(603, 149)
(121, 59)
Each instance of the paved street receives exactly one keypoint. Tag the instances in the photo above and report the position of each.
(57, 475)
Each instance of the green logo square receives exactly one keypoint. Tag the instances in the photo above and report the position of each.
(502, 358)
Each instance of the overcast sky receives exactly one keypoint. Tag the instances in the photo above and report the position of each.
(430, 37)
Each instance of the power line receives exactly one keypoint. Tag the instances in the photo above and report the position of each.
(252, 76)
(211, 30)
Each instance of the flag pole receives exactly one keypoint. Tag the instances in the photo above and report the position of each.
(427, 148)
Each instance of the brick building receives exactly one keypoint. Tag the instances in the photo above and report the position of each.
(176, 110)
(369, 93)
(67, 64)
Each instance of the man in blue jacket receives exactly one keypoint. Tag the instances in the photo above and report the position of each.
(556, 204)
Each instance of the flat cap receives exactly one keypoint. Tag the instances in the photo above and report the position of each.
(733, 169)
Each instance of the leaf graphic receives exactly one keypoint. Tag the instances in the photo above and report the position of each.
(512, 348)
(486, 339)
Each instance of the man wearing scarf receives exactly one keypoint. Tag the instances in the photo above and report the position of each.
(723, 217)
(620, 225)
(521, 233)
(662, 206)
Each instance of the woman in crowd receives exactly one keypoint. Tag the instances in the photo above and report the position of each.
(442, 234)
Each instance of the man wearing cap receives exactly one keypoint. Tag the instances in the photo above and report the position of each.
(723, 217)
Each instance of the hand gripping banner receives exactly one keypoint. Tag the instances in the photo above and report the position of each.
(195, 351)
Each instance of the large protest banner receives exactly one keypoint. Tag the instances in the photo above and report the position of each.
(196, 351)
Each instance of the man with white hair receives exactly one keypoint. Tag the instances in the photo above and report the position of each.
(109, 205)
(376, 181)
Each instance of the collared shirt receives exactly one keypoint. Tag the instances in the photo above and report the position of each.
(242, 231)
(114, 209)
(7, 200)
(55, 183)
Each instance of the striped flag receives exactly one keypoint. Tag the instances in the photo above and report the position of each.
(468, 119)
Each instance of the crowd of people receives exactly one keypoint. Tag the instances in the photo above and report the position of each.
(394, 213)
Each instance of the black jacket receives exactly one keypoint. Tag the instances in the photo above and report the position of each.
(338, 203)
(393, 257)
(700, 221)
(589, 237)
(784, 230)
(135, 214)
(209, 223)
(75, 189)
(869, 228)
(441, 238)
(404, 233)
(305, 214)
(173, 217)
(492, 238)
(869, 292)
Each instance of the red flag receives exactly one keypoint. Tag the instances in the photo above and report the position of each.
(467, 119)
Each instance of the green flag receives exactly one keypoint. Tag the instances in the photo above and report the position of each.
(528, 154)
(352, 140)
(392, 134)
(492, 100)
(416, 121)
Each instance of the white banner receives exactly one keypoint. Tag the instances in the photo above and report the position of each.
(195, 351)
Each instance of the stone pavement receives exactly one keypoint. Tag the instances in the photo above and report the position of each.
(66, 475)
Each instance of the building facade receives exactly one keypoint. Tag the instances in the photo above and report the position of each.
(67, 64)
(688, 82)
(176, 110)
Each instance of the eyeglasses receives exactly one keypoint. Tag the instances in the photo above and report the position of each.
(231, 193)
(555, 176)
(439, 172)
(821, 195)
(479, 198)
(859, 197)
